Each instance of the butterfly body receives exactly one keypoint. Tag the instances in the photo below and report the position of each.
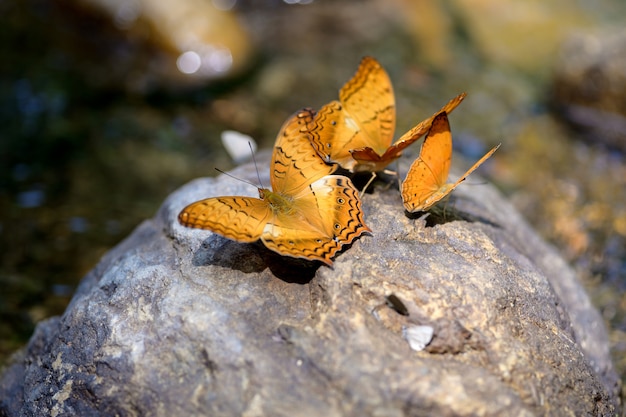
(308, 213)
(426, 181)
(357, 131)
(277, 203)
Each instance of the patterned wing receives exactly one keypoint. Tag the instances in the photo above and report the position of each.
(332, 136)
(368, 99)
(365, 116)
(324, 218)
(424, 183)
(295, 163)
(238, 218)
(367, 160)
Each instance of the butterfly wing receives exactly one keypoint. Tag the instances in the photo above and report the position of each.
(425, 125)
(325, 216)
(238, 218)
(295, 163)
(372, 162)
(369, 100)
(331, 135)
(425, 182)
(368, 160)
(365, 116)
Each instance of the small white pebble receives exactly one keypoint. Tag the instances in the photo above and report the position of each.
(418, 336)
(238, 145)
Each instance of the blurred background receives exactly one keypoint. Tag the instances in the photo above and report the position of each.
(107, 106)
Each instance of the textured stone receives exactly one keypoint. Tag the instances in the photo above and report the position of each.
(175, 321)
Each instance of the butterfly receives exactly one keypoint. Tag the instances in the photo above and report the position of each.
(425, 183)
(308, 213)
(356, 132)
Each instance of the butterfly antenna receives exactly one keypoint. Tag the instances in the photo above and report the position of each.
(255, 165)
(237, 178)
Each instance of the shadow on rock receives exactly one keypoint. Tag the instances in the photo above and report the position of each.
(448, 213)
(253, 258)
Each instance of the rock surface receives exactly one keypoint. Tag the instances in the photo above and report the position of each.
(175, 321)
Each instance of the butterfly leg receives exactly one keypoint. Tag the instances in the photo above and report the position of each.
(445, 207)
(372, 178)
(445, 211)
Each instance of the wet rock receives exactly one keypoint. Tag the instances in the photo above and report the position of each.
(589, 88)
(175, 321)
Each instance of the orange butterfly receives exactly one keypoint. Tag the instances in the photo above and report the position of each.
(308, 213)
(356, 131)
(425, 183)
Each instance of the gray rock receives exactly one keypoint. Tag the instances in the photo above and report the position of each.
(176, 321)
